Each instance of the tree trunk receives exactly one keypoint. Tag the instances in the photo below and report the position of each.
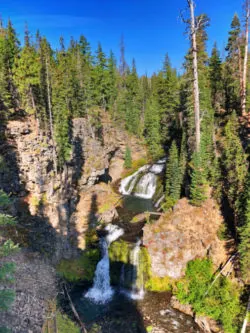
(195, 74)
(34, 107)
(51, 118)
(240, 70)
(244, 76)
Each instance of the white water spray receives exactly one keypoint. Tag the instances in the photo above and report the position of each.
(137, 285)
(102, 292)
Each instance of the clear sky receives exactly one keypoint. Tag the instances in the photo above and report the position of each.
(150, 27)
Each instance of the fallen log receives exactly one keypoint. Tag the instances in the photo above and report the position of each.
(83, 329)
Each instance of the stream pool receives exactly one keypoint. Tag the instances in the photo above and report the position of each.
(123, 315)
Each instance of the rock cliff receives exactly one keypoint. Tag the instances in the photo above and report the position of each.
(50, 200)
(186, 233)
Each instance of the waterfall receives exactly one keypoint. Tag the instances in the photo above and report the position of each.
(137, 283)
(102, 292)
(143, 182)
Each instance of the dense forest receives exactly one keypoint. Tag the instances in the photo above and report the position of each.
(198, 118)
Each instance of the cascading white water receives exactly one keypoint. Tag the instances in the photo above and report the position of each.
(137, 284)
(143, 182)
(102, 292)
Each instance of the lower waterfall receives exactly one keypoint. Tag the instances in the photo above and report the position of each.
(137, 283)
(102, 292)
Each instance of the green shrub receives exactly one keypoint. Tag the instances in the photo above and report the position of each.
(221, 302)
(65, 324)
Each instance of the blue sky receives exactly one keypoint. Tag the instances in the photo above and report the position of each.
(150, 28)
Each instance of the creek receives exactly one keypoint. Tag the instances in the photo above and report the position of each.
(118, 303)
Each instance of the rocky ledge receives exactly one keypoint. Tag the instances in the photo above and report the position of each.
(184, 234)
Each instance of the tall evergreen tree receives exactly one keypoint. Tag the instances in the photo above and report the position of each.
(173, 177)
(152, 130)
(244, 231)
(99, 77)
(234, 164)
(27, 76)
(166, 89)
(198, 186)
(232, 68)
(111, 81)
(133, 101)
(9, 46)
(216, 80)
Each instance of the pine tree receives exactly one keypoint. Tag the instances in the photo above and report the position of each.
(46, 61)
(165, 87)
(133, 101)
(244, 231)
(5, 96)
(198, 186)
(216, 80)
(173, 177)
(232, 68)
(99, 78)
(62, 105)
(27, 77)
(152, 130)
(9, 49)
(84, 69)
(111, 81)
(234, 163)
(128, 158)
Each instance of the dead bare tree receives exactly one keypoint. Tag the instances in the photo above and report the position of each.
(50, 114)
(193, 28)
(244, 75)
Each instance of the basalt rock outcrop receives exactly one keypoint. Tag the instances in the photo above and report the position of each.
(50, 199)
(186, 233)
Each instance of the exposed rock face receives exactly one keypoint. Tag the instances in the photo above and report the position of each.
(96, 205)
(35, 285)
(182, 235)
(51, 198)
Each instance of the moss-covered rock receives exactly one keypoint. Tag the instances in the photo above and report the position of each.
(81, 268)
(119, 251)
(63, 323)
(121, 264)
(160, 284)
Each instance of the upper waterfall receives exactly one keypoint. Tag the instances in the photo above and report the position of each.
(143, 182)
